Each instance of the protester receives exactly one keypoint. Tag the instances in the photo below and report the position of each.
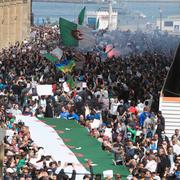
(121, 93)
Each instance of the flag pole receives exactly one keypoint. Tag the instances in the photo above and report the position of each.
(110, 16)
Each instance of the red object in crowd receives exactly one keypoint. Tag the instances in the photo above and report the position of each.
(105, 138)
(54, 87)
(133, 110)
(9, 116)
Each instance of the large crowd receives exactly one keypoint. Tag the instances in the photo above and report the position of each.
(122, 93)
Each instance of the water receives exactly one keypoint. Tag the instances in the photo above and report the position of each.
(52, 11)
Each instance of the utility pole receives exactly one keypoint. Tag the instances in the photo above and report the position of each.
(110, 16)
(160, 18)
(31, 14)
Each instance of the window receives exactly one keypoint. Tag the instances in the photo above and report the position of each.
(168, 23)
(92, 22)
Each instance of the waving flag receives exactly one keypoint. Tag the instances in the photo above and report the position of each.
(66, 66)
(74, 35)
(54, 55)
(97, 24)
(70, 82)
(81, 16)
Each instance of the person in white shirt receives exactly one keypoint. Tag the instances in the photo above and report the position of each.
(151, 164)
(176, 147)
(43, 103)
(15, 110)
(114, 105)
(140, 107)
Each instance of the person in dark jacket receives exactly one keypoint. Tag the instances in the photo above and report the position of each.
(160, 123)
(49, 110)
(163, 163)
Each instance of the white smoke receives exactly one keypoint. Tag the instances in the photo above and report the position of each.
(138, 42)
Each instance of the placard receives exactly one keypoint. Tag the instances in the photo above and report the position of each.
(44, 90)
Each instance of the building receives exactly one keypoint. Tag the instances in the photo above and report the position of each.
(15, 17)
(169, 102)
(170, 24)
(92, 17)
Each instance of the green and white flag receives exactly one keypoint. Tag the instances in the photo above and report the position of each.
(54, 55)
(74, 35)
(81, 16)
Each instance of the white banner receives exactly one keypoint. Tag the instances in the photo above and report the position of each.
(44, 90)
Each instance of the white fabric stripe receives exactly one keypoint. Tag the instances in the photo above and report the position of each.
(88, 40)
(46, 137)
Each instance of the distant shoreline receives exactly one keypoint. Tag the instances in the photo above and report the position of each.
(67, 1)
(98, 2)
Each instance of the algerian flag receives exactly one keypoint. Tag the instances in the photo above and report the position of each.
(54, 55)
(55, 146)
(74, 35)
(81, 16)
(70, 81)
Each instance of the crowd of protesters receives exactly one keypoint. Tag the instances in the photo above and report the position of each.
(122, 93)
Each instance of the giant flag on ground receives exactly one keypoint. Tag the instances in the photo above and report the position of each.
(66, 66)
(65, 139)
(54, 55)
(74, 35)
(81, 16)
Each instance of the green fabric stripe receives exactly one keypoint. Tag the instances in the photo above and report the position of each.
(66, 28)
(91, 148)
(70, 81)
(81, 16)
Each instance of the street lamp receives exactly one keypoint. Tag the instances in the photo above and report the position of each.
(160, 18)
(110, 15)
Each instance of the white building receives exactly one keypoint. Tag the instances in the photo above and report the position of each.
(170, 24)
(92, 18)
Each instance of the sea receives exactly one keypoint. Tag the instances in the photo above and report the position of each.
(132, 15)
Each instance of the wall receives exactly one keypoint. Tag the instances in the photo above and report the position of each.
(103, 17)
(175, 25)
(14, 21)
